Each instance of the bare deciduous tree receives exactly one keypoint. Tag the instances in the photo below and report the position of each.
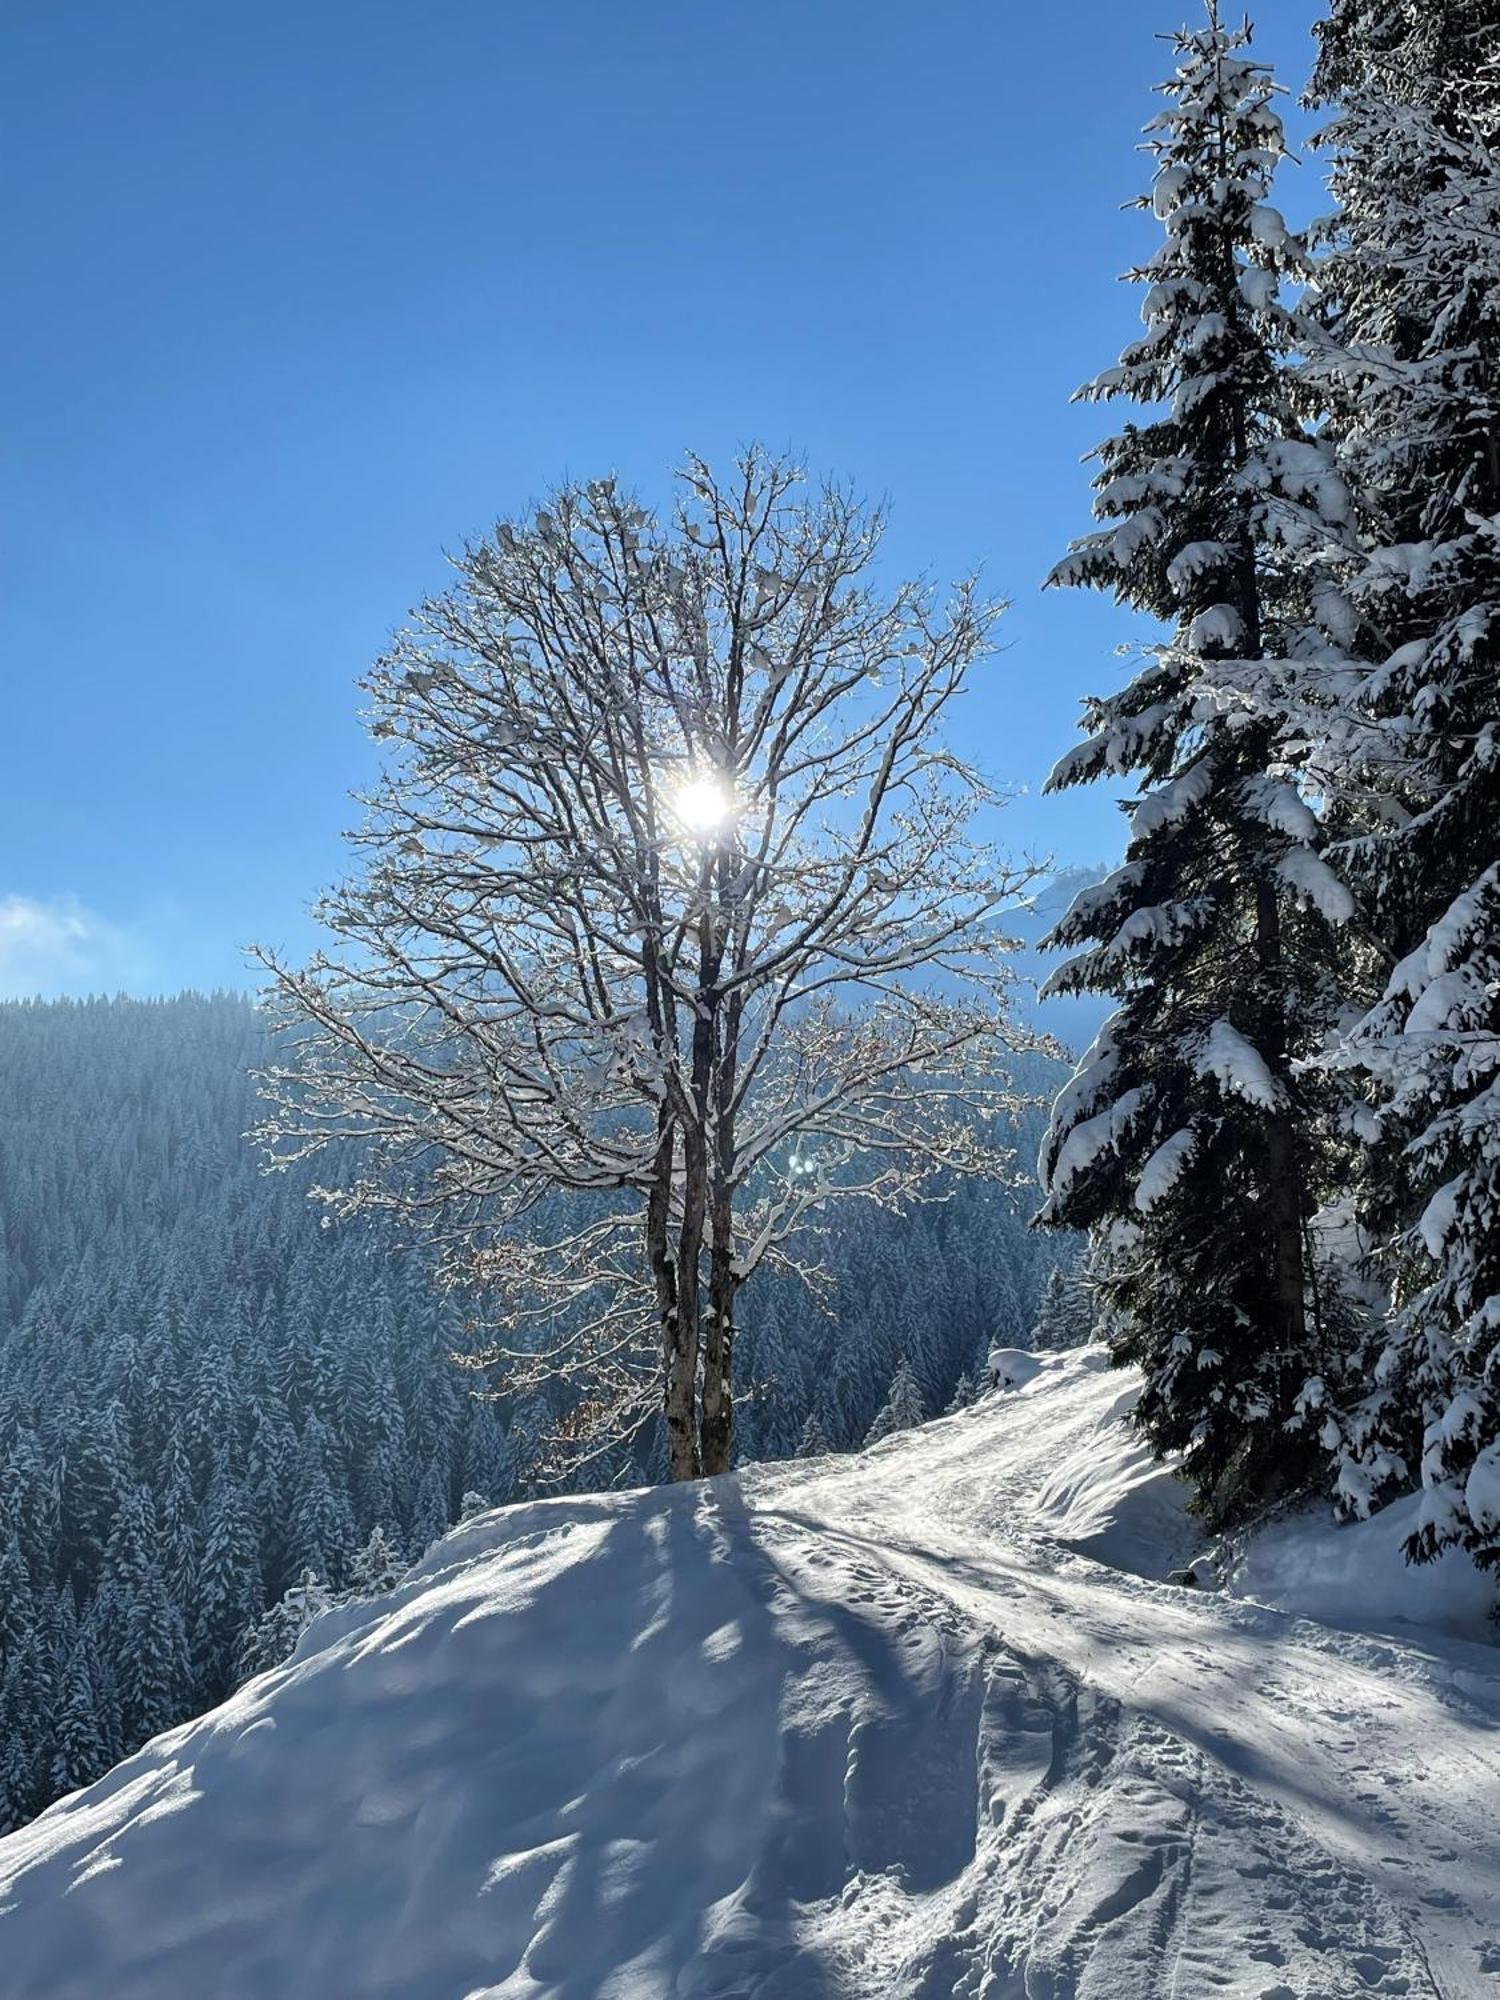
(669, 900)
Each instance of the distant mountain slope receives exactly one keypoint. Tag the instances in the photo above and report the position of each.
(203, 1392)
(876, 1726)
(1074, 1018)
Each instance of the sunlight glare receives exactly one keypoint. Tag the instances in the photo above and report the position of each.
(704, 805)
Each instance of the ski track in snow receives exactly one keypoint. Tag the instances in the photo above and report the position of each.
(875, 1728)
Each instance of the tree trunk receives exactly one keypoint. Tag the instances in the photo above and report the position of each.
(723, 1282)
(718, 1345)
(690, 1235)
(1284, 1168)
(683, 1394)
(679, 1355)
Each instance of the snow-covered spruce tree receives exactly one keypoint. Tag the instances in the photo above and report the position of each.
(377, 1567)
(80, 1753)
(903, 1409)
(1184, 1142)
(641, 945)
(963, 1395)
(273, 1637)
(1063, 1317)
(1410, 295)
(814, 1441)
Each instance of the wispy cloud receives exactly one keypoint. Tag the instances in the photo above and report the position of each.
(57, 946)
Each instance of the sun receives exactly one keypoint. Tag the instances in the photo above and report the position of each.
(704, 804)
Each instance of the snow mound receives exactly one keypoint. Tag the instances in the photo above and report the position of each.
(1010, 1367)
(1110, 1499)
(904, 1726)
(1355, 1576)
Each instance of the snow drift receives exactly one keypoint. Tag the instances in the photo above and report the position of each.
(925, 1722)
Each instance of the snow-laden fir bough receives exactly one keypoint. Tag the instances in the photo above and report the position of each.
(1186, 1141)
(1406, 361)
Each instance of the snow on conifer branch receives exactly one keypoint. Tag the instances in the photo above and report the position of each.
(1214, 934)
(1405, 355)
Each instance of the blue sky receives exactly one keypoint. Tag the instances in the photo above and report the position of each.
(302, 294)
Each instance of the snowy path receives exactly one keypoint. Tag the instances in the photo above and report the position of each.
(1386, 1754)
(856, 1730)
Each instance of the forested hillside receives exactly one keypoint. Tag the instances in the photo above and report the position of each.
(207, 1388)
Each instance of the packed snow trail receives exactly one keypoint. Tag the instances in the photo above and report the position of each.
(919, 1723)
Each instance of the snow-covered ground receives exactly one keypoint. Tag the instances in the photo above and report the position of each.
(924, 1722)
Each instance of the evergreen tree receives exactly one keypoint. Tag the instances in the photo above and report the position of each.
(903, 1408)
(429, 1516)
(272, 1639)
(81, 1754)
(153, 1672)
(377, 1567)
(1410, 297)
(132, 1548)
(1063, 1318)
(322, 1530)
(29, 1500)
(814, 1440)
(269, 1491)
(22, 1790)
(773, 1421)
(964, 1393)
(177, 1516)
(105, 1686)
(17, 1603)
(229, 1590)
(489, 1459)
(1185, 1140)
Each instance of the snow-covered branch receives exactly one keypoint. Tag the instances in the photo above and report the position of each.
(670, 900)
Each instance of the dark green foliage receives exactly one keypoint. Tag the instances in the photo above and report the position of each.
(1409, 371)
(1186, 1143)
